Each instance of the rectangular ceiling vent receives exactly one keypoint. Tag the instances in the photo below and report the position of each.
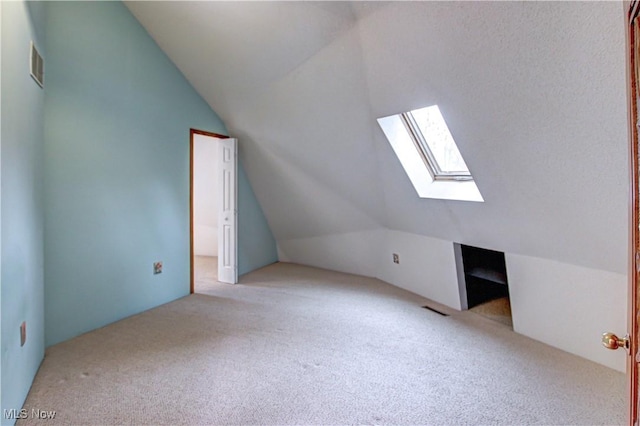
(37, 66)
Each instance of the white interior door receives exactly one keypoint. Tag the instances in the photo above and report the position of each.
(228, 211)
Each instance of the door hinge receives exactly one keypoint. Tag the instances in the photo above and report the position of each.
(638, 357)
(637, 262)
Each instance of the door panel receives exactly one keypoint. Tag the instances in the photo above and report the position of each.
(228, 212)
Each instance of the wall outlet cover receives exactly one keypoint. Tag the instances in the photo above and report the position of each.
(157, 268)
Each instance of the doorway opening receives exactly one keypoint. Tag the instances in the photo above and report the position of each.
(483, 283)
(213, 210)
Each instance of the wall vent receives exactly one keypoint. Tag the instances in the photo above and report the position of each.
(37, 66)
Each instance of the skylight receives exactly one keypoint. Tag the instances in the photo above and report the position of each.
(435, 139)
(429, 155)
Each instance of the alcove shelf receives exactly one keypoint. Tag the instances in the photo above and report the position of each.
(489, 275)
(482, 275)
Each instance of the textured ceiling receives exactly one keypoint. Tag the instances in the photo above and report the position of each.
(534, 93)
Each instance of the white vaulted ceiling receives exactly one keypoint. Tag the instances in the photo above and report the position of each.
(533, 92)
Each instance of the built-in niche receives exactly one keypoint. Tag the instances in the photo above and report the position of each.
(483, 283)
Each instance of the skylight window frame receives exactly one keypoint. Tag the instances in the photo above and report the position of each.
(427, 156)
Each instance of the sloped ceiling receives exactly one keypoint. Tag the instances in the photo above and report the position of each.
(534, 94)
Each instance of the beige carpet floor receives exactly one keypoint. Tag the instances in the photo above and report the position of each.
(297, 345)
(205, 273)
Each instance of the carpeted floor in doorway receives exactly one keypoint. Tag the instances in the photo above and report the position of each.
(496, 310)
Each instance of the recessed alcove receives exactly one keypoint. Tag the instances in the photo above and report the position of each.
(483, 282)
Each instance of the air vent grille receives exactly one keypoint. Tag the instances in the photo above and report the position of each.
(37, 66)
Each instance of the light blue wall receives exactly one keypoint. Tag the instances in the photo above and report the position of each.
(1, 405)
(117, 120)
(22, 294)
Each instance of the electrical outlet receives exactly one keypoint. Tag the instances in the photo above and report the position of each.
(23, 333)
(157, 268)
(396, 258)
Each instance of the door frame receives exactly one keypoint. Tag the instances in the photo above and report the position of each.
(634, 207)
(193, 132)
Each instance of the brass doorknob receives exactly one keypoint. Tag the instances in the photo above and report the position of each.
(613, 342)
